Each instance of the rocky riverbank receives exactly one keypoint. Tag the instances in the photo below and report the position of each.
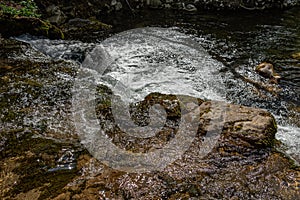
(81, 19)
(79, 8)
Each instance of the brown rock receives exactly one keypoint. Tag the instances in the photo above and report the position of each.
(267, 70)
(243, 164)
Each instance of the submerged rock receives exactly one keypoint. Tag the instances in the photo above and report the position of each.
(267, 70)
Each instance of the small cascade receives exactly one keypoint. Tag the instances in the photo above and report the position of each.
(140, 61)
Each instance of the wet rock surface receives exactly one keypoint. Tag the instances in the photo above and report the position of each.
(86, 29)
(34, 154)
(42, 158)
(89, 29)
(14, 26)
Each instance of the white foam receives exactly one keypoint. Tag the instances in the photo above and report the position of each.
(158, 60)
(290, 137)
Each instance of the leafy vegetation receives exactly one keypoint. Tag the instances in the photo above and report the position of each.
(26, 8)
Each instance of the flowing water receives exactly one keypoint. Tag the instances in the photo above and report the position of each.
(202, 55)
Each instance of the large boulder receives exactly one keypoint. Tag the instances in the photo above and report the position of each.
(243, 163)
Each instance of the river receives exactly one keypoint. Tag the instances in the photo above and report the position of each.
(235, 43)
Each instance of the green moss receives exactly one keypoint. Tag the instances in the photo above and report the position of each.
(96, 24)
(48, 29)
(26, 8)
(273, 128)
(13, 26)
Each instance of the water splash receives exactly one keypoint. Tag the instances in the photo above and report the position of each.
(161, 60)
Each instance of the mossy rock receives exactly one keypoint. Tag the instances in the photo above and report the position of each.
(85, 29)
(20, 25)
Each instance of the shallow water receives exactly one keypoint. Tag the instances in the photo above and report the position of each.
(237, 42)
